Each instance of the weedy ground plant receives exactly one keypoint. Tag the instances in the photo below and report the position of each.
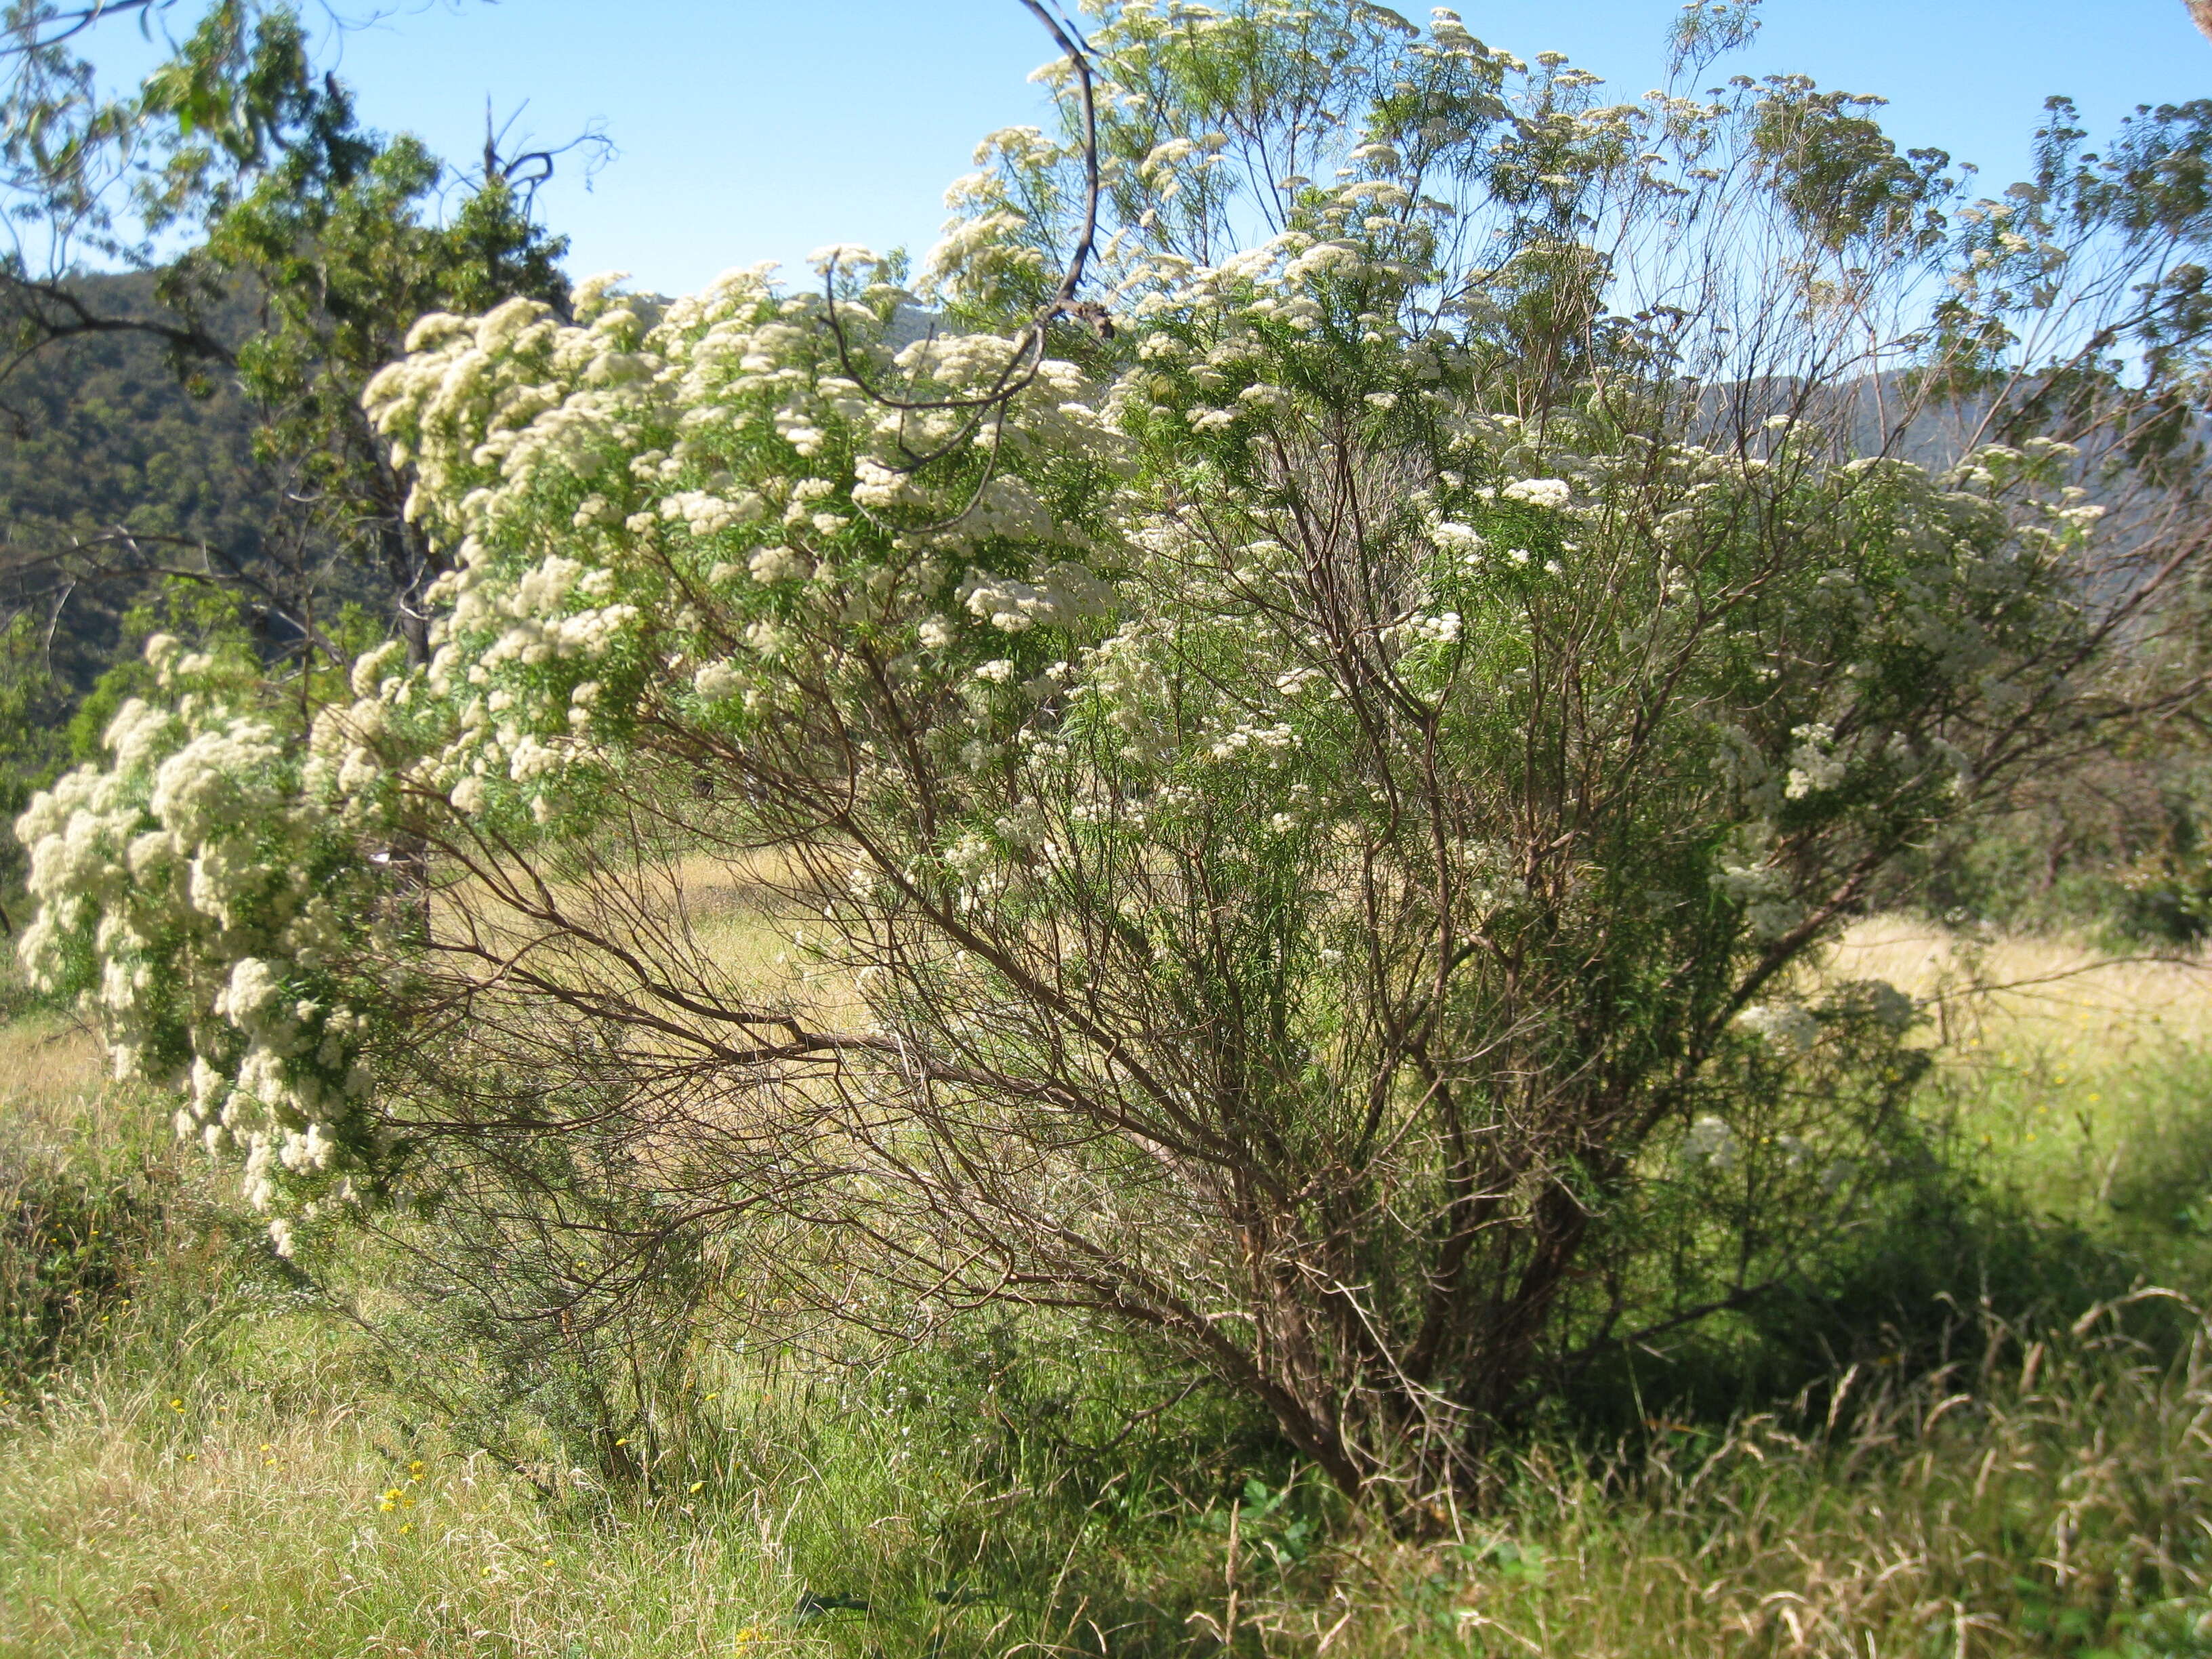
(1299, 745)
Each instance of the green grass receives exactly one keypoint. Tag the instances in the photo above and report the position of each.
(1932, 1451)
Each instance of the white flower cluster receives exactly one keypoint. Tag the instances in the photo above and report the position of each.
(711, 521)
(1554, 493)
(1062, 593)
(1764, 891)
(708, 489)
(1813, 764)
(187, 892)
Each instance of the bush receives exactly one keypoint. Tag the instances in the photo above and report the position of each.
(1304, 826)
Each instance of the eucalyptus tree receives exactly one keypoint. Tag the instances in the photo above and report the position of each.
(1303, 751)
(239, 171)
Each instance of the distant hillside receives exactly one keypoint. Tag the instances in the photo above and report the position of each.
(98, 433)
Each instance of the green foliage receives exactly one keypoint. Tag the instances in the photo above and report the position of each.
(329, 225)
(1327, 830)
(110, 470)
(297, 249)
(2110, 847)
(84, 1215)
(31, 752)
(1298, 1102)
(67, 1252)
(1840, 175)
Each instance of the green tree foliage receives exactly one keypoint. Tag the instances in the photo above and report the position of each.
(290, 250)
(197, 419)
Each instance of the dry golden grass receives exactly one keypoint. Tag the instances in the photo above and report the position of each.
(2030, 994)
(149, 1515)
(46, 1065)
(2065, 1064)
(699, 918)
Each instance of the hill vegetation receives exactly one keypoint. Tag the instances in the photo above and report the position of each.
(103, 439)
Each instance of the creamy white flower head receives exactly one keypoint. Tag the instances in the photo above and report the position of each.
(588, 299)
(1063, 593)
(1552, 493)
(1166, 154)
(371, 667)
(1772, 919)
(137, 730)
(717, 680)
(848, 254)
(777, 564)
(1813, 765)
(253, 987)
(970, 854)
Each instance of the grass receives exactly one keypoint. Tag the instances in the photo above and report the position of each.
(211, 1521)
(1976, 1442)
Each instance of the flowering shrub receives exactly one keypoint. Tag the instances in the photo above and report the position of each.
(199, 892)
(1304, 828)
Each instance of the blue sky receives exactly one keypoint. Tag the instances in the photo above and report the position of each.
(754, 130)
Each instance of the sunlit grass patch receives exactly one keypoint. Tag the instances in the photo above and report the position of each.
(2080, 1082)
(2019, 993)
(48, 1065)
(160, 1514)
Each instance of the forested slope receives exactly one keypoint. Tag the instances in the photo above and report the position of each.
(101, 437)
